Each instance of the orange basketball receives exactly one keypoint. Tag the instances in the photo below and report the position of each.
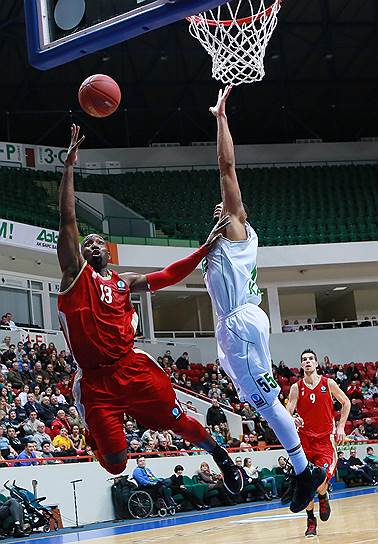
(99, 95)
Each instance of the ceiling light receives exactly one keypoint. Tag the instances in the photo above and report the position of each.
(339, 288)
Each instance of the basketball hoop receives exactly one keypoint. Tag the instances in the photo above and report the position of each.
(236, 35)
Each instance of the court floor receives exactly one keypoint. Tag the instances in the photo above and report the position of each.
(354, 520)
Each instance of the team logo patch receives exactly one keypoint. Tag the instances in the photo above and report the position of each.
(121, 285)
(326, 465)
(176, 412)
(257, 400)
(323, 389)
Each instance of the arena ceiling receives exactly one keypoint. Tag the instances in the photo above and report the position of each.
(321, 83)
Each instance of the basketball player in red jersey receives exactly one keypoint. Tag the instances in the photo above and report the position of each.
(99, 323)
(311, 404)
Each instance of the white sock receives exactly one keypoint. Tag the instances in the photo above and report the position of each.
(283, 425)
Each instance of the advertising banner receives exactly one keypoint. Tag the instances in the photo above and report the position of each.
(27, 236)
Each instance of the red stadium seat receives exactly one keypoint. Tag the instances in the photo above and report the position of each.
(359, 402)
(357, 422)
(294, 379)
(348, 427)
(375, 400)
(369, 403)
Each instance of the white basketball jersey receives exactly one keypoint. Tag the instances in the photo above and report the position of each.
(230, 273)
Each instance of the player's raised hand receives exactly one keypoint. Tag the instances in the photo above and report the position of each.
(220, 108)
(340, 435)
(74, 145)
(216, 232)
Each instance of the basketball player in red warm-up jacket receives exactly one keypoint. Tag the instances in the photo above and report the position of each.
(99, 323)
(311, 404)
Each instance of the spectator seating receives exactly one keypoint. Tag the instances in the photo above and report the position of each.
(344, 200)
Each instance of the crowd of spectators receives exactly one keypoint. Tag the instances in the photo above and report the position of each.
(355, 470)
(38, 419)
(316, 325)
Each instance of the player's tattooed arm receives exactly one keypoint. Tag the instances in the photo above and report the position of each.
(230, 190)
(292, 405)
(68, 247)
(345, 409)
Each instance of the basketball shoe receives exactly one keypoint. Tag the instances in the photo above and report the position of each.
(306, 484)
(324, 507)
(311, 528)
(232, 477)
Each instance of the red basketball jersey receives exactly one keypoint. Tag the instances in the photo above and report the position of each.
(315, 407)
(97, 318)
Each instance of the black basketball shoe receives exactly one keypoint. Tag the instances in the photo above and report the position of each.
(306, 484)
(232, 477)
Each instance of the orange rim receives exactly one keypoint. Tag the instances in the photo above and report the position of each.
(197, 19)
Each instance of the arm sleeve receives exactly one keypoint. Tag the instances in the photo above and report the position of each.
(176, 271)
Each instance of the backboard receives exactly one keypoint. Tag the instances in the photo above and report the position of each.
(59, 31)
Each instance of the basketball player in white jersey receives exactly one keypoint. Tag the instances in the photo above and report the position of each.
(242, 332)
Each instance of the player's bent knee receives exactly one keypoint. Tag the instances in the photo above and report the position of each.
(114, 463)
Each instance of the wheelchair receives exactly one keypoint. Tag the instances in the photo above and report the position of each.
(142, 505)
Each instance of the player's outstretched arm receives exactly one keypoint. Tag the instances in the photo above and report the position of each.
(292, 405)
(178, 270)
(230, 190)
(69, 256)
(345, 409)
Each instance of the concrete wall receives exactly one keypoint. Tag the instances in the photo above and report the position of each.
(299, 306)
(366, 301)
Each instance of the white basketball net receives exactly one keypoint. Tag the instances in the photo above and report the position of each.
(236, 36)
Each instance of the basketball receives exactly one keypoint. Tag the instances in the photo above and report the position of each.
(99, 95)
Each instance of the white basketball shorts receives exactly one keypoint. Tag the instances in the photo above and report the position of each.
(243, 351)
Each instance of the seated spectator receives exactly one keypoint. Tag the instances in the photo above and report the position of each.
(245, 444)
(150, 448)
(358, 434)
(218, 436)
(15, 377)
(224, 400)
(286, 327)
(353, 373)
(6, 450)
(355, 411)
(182, 362)
(4, 346)
(341, 378)
(30, 425)
(61, 398)
(372, 391)
(9, 357)
(46, 413)
(62, 441)
(9, 322)
(359, 469)
(28, 456)
(131, 432)
(41, 436)
(60, 422)
(214, 391)
(187, 447)
(354, 390)
(147, 481)
(284, 370)
(213, 481)
(32, 405)
(371, 430)
(135, 446)
(215, 415)
(260, 484)
(14, 441)
(248, 416)
(148, 435)
(253, 439)
(74, 418)
(166, 448)
(177, 486)
(14, 509)
(190, 406)
(19, 409)
(47, 453)
(371, 459)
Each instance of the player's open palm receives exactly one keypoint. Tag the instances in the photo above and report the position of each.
(74, 145)
(217, 230)
(220, 108)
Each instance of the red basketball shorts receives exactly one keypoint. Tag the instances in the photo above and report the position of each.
(135, 385)
(321, 452)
